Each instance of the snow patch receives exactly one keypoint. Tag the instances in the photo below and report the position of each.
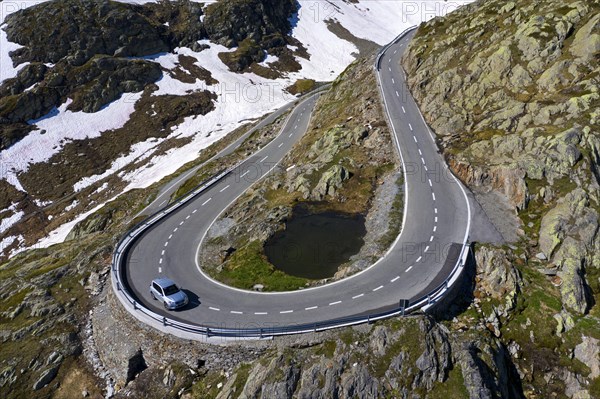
(7, 222)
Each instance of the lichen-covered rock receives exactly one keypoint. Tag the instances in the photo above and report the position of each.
(588, 353)
(495, 273)
(330, 181)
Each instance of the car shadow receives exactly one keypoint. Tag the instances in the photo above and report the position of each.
(194, 300)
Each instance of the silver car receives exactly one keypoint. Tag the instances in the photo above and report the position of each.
(168, 293)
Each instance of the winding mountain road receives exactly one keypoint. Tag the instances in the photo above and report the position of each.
(435, 228)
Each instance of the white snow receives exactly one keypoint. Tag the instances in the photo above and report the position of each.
(72, 206)
(62, 126)
(240, 96)
(329, 55)
(7, 242)
(268, 60)
(138, 151)
(7, 222)
(59, 235)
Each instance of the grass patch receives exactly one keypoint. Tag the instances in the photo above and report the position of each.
(241, 377)
(248, 266)
(301, 86)
(326, 349)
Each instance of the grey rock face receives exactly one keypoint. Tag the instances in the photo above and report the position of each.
(45, 378)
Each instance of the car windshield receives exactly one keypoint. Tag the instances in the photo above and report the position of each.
(170, 290)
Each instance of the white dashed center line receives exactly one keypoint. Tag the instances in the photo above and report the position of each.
(435, 210)
(407, 270)
(397, 94)
(224, 188)
(286, 311)
(206, 202)
(357, 296)
(311, 308)
(280, 145)
(403, 110)
(175, 229)
(426, 248)
(378, 288)
(418, 259)
(195, 210)
(163, 252)
(410, 127)
(236, 312)
(436, 219)
(245, 173)
(160, 269)
(215, 309)
(434, 228)
(430, 183)
(431, 239)
(166, 243)
(394, 279)
(393, 81)
(171, 236)
(160, 261)
(415, 139)
(335, 303)
(260, 313)
(433, 195)
(264, 159)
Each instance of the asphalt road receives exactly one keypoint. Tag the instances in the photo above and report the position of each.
(436, 223)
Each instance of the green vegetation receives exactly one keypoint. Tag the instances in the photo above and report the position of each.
(248, 266)
(301, 86)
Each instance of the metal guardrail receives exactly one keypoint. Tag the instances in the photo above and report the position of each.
(133, 306)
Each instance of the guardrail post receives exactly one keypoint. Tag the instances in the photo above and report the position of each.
(429, 299)
(118, 286)
(207, 332)
(134, 306)
(261, 333)
(164, 321)
(369, 319)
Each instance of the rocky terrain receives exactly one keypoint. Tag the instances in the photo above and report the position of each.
(335, 168)
(513, 97)
(85, 55)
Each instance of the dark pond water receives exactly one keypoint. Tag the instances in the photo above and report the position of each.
(313, 246)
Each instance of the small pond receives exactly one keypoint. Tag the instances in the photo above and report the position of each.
(313, 246)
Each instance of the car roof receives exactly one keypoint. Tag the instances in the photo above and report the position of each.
(163, 282)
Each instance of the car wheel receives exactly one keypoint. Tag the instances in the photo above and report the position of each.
(165, 305)
(152, 295)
